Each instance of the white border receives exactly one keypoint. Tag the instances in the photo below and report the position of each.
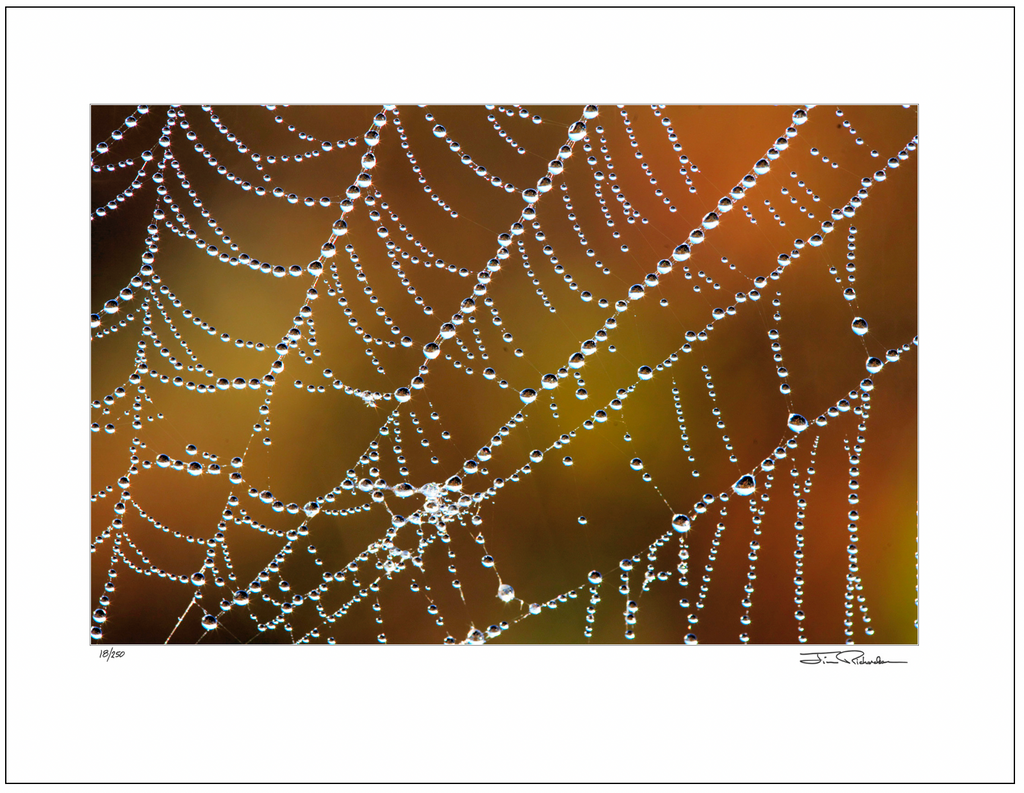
(521, 714)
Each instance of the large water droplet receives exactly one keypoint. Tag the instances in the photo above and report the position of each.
(860, 326)
(797, 423)
(527, 395)
(681, 523)
(506, 593)
(745, 485)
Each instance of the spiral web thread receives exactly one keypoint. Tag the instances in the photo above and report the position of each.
(435, 530)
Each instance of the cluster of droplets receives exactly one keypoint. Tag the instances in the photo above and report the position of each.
(716, 412)
(686, 167)
(420, 177)
(115, 136)
(465, 159)
(684, 437)
(505, 135)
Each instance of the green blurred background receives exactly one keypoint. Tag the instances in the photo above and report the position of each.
(532, 527)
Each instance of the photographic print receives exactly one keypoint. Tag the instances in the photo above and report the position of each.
(512, 373)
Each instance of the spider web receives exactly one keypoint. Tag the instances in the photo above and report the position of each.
(504, 373)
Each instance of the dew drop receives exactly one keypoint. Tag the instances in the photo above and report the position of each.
(645, 373)
(431, 350)
(874, 365)
(595, 577)
(636, 464)
(209, 622)
(681, 523)
(403, 394)
(439, 131)
(549, 382)
(506, 593)
(797, 423)
(745, 485)
(527, 395)
(577, 131)
(860, 326)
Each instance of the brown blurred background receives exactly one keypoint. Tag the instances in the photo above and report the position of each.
(532, 527)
